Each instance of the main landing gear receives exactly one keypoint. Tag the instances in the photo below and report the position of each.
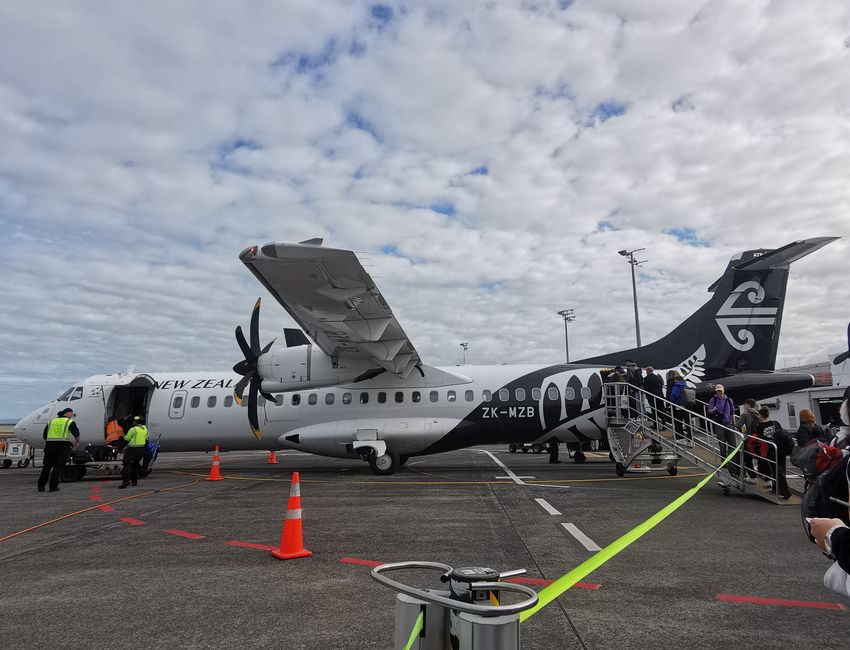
(385, 464)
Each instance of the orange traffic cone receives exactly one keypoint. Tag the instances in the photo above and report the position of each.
(291, 543)
(272, 459)
(215, 471)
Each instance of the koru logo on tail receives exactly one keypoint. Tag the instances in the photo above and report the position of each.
(742, 317)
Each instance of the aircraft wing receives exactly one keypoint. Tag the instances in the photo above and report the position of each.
(334, 300)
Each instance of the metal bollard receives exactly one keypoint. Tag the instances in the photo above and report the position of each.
(469, 617)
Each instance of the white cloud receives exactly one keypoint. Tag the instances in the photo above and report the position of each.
(145, 147)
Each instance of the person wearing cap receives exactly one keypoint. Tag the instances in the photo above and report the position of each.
(57, 447)
(136, 439)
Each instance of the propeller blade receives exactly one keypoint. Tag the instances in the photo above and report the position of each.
(240, 388)
(255, 329)
(243, 344)
(242, 368)
(252, 410)
(268, 346)
(268, 396)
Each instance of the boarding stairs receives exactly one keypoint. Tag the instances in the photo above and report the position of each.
(646, 432)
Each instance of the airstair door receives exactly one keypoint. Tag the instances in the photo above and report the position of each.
(178, 404)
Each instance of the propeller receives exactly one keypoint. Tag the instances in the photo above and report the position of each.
(248, 368)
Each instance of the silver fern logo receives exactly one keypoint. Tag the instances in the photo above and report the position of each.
(743, 317)
(692, 369)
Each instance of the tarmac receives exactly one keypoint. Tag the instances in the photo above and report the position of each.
(156, 570)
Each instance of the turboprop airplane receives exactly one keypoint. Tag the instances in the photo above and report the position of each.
(351, 384)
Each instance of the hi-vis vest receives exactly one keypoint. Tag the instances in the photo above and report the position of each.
(137, 436)
(59, 430)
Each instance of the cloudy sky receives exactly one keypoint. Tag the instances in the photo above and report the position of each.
(488, 159)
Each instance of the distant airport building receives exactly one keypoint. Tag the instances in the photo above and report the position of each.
(823, 399)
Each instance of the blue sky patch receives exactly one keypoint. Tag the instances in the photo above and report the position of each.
(688, 236)
(227, 148)
(356, 121)
(309, 62)
(604, 226)
(381, 14)
(479, 171)
(492, 286)
(683, 104)
(606, 110)
(446, 208)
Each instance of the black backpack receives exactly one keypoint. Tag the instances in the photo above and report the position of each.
(831, 483)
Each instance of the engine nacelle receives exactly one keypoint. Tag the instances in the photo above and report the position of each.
(306, 366)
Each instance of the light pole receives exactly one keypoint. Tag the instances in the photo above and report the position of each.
(568, 318)
(634, 263)
(465, 347)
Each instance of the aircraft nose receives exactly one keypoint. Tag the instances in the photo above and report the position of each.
(24, 429)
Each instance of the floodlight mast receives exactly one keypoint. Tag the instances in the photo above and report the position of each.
(568, 316)
(634, 263)
(465, 347)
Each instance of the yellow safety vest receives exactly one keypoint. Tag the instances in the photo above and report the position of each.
(137, 436)
(59, 430)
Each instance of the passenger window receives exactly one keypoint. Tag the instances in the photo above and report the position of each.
(329, 398)
(77, 394)
(228, 401)
(382, 398)
(535, 394)
(312, 398)
(346, 398)
(585, 392)
(486, 395)
(364, 398)
(504, 395)
(451, 396)
(552, 393)
(469, 395)
(399, 397)
(64, 396)
(416, 396)
(196, 401)
(569, 393)
(434, 396)
(178, 402)
(296, 399)
(211, 402)
(520, 394)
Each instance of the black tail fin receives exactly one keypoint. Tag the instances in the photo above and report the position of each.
(739, 327)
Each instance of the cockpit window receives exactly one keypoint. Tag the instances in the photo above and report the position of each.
(76, 394)
(64, 396)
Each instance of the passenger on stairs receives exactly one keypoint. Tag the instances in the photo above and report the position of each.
(654, 385)
(746, 424)
(772, 456)
(721, 410)
(677, 387)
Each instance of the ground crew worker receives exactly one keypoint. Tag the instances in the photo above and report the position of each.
(57, 448)
(553, 450)
(114, 431)
(136, 439)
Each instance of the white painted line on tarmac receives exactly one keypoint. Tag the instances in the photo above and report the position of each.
(548, 507)
(583, 539)
(516, 479)
(512, 477)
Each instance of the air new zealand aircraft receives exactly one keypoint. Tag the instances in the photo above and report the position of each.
(351, 384)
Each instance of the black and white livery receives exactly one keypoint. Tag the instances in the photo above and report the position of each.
(350, 383)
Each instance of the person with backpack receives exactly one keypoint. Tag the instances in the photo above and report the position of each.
(680, 394)
(828, 523)
(810, 430)
(721, 410)
(746, 424)
(776, 444)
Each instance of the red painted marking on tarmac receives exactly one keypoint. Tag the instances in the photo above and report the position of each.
(131, 521)
(261, 547)
(104, 482)
(544, 581)
(95, 489)
(354, 560)
(183, 533)
(814, 604)
(106, 509)
(95, 497)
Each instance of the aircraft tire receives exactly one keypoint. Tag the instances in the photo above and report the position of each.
(384, 465)
(72, 473)
(579, 457)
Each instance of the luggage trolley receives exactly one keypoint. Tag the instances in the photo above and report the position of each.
(634, 450)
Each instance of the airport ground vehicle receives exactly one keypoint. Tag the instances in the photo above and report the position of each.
(14, 450)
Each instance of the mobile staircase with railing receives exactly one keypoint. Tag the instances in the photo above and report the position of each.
(646, 432)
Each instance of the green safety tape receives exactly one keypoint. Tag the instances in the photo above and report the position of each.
(550, 593)
(417, 628)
